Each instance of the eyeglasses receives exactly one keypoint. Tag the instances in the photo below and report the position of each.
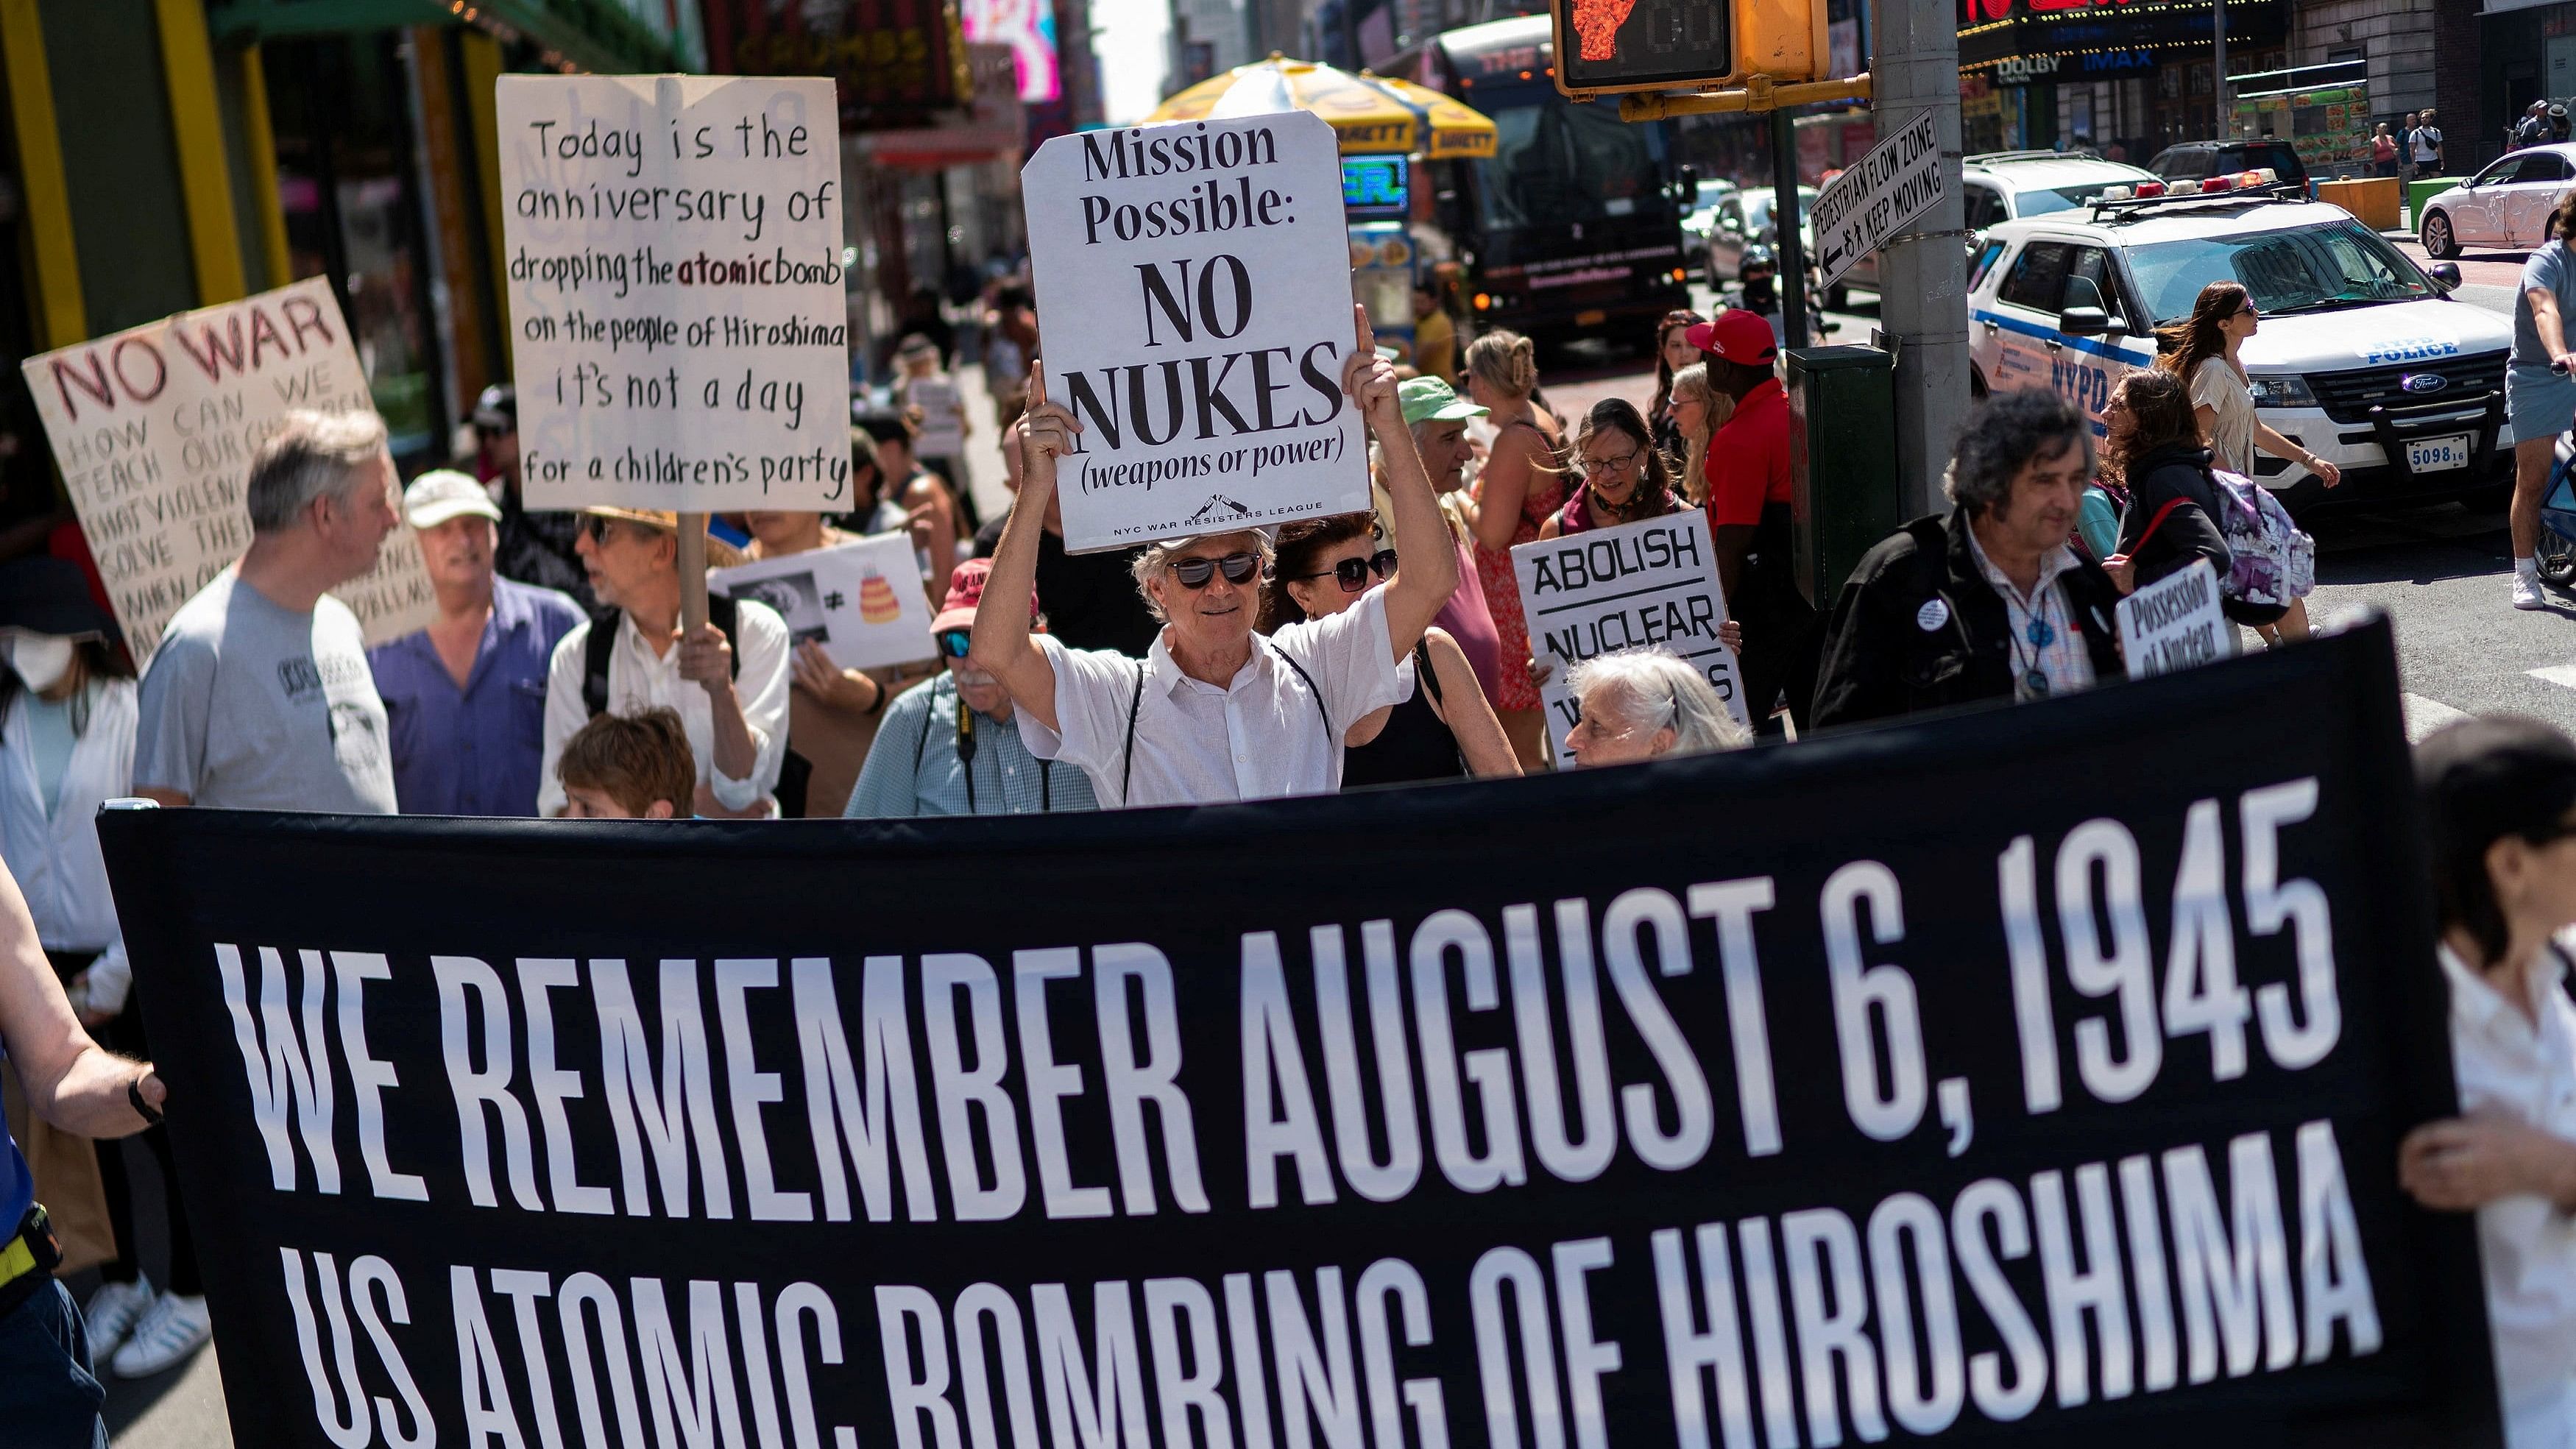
(1352, 573)
(1194, 573)
(594, 526)
(1592, 465)
(953, 643)
(2247, 311)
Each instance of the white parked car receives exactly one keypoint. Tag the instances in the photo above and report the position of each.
(2012, 185)
(2505, 205)
(2362, 357)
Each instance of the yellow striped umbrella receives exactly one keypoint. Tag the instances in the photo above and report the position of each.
(1370, 114)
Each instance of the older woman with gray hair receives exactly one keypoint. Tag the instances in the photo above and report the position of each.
(1644, 704)
(1215, 711)
(1988, 603)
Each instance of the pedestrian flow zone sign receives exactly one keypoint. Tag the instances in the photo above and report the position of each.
(1900, 179)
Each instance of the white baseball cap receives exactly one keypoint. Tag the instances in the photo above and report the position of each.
(443, 493)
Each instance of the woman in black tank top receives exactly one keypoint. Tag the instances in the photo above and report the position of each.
(1446, 728)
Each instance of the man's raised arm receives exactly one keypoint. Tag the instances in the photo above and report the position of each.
(1003, 646)
(1426, 572)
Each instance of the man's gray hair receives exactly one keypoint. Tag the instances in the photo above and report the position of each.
(312, 454)
(1657, 690)
(2010, 430)
(1154, 558)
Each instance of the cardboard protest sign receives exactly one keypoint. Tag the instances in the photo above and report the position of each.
(676, 291)
(1789, 1102)
(2175, 623)
(1194, 289)
(862, 600)
(154, 428)
(1652, 582)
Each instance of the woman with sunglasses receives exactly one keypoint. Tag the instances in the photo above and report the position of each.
(1673, 352)
(1444, 729)
(1622, 476)
(1214, 712)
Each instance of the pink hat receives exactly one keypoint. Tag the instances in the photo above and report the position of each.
(1736, 335)
(965, 591)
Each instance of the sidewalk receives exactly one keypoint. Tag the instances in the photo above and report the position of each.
(184, 1407)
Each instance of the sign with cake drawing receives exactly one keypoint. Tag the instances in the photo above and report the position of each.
(862, 601)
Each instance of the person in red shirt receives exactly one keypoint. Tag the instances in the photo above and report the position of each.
(1749, 501)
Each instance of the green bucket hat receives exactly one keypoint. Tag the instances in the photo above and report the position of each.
(1429, 399)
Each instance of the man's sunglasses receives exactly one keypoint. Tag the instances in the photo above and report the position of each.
(953, 643)
(1194, 573)
(1352, 573)
(594, 526)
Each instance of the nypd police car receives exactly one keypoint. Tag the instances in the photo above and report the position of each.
(2362, 358)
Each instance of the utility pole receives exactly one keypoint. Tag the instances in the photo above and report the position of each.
(1792, 280)
(1923, 274)
(2218, 76)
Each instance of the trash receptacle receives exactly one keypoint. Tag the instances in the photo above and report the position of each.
(1842, 449)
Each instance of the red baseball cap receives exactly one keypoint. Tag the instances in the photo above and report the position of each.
(965, 591)
(1736, 335)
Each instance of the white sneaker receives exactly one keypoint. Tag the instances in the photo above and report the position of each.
(111, 1314)
(2526, 591)
(171, 1329)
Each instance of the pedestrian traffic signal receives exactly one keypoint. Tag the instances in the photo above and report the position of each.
(1604, 47)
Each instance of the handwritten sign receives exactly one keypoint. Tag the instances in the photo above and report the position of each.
(1648, 583)
(2175, 623)
(1194, 288)
(676, 288)
(154, 428)
(862, 601)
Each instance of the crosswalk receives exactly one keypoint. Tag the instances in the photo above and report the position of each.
(2423, 716)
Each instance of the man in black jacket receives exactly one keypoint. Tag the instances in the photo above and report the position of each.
(1988, 603)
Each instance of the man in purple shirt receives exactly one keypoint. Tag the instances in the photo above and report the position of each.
(465, 698)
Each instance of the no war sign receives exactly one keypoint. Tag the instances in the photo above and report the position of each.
(1812, 1109)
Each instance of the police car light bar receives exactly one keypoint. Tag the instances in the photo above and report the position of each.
(2260, 184)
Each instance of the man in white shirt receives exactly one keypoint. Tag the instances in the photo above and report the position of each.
(731, 695)
(1214, 712)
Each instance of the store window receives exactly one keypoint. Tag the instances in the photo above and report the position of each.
(355, 213)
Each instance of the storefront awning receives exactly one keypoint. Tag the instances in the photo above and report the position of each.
(596, 35)
(1371, 114)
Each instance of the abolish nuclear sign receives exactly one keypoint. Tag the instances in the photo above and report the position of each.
(1194, 288)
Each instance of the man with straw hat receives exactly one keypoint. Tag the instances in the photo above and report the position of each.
(727, 680)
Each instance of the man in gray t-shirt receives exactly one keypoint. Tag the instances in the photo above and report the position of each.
(259, 696)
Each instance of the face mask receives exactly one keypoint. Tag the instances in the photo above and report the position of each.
(40, 659)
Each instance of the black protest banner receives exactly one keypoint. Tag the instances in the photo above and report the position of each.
(2029, 1072)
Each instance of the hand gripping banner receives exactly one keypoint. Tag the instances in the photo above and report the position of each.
(2034, 1071)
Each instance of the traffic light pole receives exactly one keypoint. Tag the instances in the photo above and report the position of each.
(1922, 274)
(1792, 280)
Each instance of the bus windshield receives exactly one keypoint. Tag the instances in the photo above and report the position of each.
(1555, 161)
(2309, 269)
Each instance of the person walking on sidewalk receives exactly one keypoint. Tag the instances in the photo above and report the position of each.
(2539, 389)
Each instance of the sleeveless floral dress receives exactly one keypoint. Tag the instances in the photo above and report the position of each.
(1545, 495)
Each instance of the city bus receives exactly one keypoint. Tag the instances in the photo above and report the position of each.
(1572, 228)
